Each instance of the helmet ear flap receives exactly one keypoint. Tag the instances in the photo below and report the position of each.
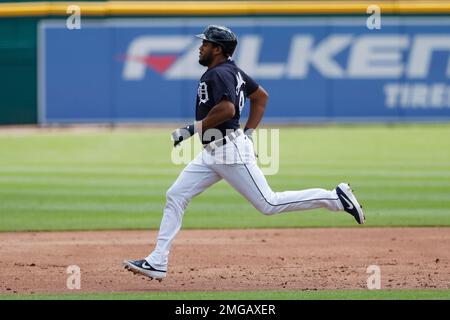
(222, 49)
(231, 48)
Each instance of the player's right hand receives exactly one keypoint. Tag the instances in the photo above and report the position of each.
(182, 134)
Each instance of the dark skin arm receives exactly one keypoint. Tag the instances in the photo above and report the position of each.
(258, 101)
(221, 112)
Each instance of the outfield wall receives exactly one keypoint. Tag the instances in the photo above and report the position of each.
(320, 63)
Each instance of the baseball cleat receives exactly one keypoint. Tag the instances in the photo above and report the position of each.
(142, 267)
(349, 202)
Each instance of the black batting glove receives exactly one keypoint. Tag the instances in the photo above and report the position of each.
(185, 133)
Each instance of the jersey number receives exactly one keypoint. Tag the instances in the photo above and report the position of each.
(240, 82)
(241, 101)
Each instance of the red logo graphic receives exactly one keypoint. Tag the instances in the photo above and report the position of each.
(158, 63)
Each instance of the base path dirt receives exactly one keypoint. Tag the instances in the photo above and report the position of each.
(228, 260)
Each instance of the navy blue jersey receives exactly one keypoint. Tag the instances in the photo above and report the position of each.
(224, 81)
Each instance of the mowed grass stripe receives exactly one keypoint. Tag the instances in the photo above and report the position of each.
(373, 183)
(298, 173)
(146, 168)
(88, 171)
(215, 218)
(105, 203)
(109, 221)
(280, 178)
(213, 207)
(167, 165)
(149, 194)
(372, 187)
(104, 181)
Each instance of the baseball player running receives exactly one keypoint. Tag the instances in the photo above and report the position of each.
(228, 152)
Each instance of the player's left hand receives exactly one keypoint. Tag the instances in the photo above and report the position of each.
(248, 132)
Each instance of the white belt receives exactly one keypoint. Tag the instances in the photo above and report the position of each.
(228, 138)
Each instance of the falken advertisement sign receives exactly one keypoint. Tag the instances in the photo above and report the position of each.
(315, 69)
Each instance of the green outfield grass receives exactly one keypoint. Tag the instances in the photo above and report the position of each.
(117, 179)
(250, 295)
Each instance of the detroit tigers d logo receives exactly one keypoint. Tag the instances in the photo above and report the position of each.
(202, 92)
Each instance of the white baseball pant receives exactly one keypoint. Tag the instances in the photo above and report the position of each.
(234, 162)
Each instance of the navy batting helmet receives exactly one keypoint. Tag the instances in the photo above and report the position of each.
(221, 36)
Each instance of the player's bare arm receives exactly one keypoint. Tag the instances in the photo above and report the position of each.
(221, 112)
(258, 102)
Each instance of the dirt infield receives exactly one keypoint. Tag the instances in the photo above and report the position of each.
(227, 260)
